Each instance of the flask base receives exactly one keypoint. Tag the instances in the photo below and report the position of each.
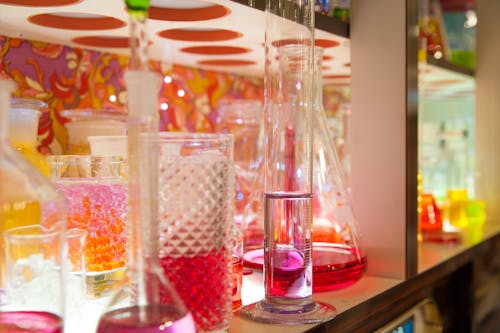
(270, 313)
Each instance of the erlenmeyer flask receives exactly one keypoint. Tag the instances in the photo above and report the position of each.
(338, 259)
(26, 196)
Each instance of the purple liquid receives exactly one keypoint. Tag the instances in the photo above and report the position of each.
(288, 271)
(30, 322)
(148, 319)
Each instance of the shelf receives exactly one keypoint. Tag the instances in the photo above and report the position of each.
(322, 22)
(218, 35)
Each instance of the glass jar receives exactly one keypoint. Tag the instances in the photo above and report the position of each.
(96, 197)
(23, 129)
(91, 122)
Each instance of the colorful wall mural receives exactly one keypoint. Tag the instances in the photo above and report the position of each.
(74, 78)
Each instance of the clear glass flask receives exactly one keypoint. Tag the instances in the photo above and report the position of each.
(288, 169)
(26, 196)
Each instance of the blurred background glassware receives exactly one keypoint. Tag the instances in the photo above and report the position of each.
(23, 129)
(108, 145)
(196, 223)
(243, 119)
(35, 199)
(96, 196)
(35, 295)
(91, 122)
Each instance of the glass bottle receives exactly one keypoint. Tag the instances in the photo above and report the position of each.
(26, 196)
(23, 129)
(338, 259)
(288, 169)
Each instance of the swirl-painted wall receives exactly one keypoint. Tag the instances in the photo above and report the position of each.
(74, 78)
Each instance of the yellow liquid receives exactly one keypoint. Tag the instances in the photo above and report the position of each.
(38, 160)
(16, 214)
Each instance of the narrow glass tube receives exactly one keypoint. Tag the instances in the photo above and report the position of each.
(288, 169)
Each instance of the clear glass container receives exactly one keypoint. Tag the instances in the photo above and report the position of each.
(95, 189)
(288, 157)
(91, 122)
(23, 129)
(197, 224)
(26, 196)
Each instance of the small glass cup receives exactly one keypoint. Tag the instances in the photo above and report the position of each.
(34, 261)
(196, 194)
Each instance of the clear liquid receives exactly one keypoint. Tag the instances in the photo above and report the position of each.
(30, 322)
(147, 319)
(288, 220)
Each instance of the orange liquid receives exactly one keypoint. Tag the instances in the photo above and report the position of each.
(12, 215)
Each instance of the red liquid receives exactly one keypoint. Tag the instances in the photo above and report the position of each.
(150, 319)
(30, 322)
(287, 276)
(204, 282)
(336, 267)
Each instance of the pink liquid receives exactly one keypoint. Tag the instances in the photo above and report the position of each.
(336, 267)
(204, 284)
(288, 271)
(148, 319)
(287, 274)
(30, 322)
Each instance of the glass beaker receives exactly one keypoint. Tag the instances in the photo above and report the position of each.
(23, 129)
(196, 223)
(96, 197)
(35, 297)
(26, 196)
(91, 122)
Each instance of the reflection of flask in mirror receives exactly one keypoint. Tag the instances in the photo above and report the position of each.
(338, 259)
(26, 196)
(23, 123)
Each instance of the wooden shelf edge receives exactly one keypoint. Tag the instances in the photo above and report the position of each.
(322, 22)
